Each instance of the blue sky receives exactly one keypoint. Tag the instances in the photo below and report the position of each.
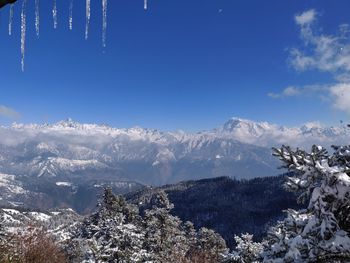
(185, 64)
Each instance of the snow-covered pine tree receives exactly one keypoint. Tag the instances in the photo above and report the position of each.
(246, 251)
(319, 233)
(165, 239)
(210, 245)
(2, 238)
(191, 238)
(112, 234)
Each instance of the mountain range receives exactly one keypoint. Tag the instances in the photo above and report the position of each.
(70, 157)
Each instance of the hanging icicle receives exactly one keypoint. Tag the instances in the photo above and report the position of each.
(71, 14)
(23, 32)
(88, 14)
(37, 17)
(10, 19)
(104, 21)
(54, 14)
(145, 4)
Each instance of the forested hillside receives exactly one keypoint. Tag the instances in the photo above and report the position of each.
(226, 205)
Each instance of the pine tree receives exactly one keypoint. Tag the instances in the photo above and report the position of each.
(319, 233)
(117, 233)
(2, 237)
(246, 251)
(112, 234)
(211, 245)
(165, 239)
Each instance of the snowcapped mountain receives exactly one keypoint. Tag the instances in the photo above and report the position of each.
(58, 222)
(266, 134)
(63, 157)
(69, 150)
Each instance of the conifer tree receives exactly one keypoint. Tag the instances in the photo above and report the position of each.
(319, 233)
(246, 251)
(165, 239)
(112, 234)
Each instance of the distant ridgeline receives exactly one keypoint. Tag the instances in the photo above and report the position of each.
(226, 205)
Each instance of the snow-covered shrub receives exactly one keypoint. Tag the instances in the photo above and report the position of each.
(112, 234)
(246, 251)
(118, 233)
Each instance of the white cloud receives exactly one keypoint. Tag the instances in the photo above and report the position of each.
(293, 91)
(287, 92)
(329, 53)
(8, 112)
(341, 96)
(306, 17)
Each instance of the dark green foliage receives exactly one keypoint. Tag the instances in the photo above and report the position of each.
(228, 206)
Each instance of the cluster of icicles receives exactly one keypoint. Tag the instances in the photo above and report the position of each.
(55, 21)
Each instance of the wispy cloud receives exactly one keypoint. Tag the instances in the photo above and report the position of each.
(306, 18)
(329, 53)
(341, 96)
(293, 91)
(287, 92)
(9, 113)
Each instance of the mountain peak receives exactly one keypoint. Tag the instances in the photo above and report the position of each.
(246, 126)
(69, 122)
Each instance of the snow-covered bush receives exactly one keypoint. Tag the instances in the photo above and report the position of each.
(319, 233)
(112, 234)
(246, 251)
(118, 233)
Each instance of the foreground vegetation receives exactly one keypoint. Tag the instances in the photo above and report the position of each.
(121, 232)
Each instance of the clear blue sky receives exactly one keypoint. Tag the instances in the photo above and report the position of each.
(184, 64)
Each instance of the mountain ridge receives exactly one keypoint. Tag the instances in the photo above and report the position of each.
(73, 152)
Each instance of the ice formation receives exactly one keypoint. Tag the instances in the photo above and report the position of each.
(23, 32)
(10, 19)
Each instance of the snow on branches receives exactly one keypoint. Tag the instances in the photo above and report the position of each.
(319, 233)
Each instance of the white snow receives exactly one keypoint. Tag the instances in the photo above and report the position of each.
(55, 213)
(39, 216)
(9, 185)
(11, 211)
(67, 184)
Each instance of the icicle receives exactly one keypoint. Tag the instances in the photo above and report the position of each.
(71, 15)
(37, 17)
(10, 19)
(88, 13)
(145, 4)
(54, 14)
(23, 32)
(104, 22)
